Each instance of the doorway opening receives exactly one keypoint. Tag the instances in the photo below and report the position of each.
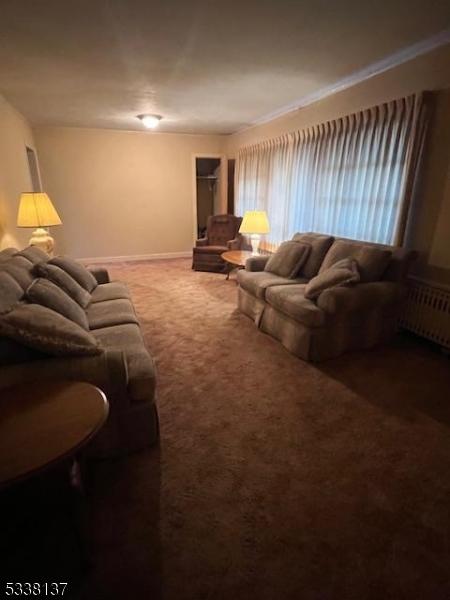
(208, 191)
(34, 170)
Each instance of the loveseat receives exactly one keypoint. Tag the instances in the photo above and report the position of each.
(344, 317)
(119, 363)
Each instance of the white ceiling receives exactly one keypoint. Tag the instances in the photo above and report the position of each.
(206, 66)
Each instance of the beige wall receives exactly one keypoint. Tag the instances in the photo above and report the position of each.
(15, 135)
(430, 231)
(121, 193)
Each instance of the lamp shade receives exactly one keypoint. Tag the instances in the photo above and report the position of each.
(36, 210)
(254, 221)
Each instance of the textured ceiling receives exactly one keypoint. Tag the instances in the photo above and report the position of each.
(206, 66)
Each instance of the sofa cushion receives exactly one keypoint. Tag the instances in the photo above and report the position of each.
(257, 282)
(372, 261)
(140, 365)
(10, 292)
(76, 270)
(110, 291)
(46, 293)
(320, 245)
(20, 268)
(343, 272)
(34, 254)
(63, 280)
(47, 331)
(291, 301)
(110, 312)
(288, 259)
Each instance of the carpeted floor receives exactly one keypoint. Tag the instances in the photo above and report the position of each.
(275, 479)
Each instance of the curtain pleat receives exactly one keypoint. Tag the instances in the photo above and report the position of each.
(353, 177)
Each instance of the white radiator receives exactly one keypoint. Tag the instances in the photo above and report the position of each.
(427, 312)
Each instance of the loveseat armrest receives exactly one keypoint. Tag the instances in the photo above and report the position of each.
(101, 274)
(107, 370)
(201, 242)
(256, 263)
(386, 296)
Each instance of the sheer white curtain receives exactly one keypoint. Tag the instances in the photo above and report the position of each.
(352, 177)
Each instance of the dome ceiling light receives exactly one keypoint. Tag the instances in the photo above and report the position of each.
(150, 121)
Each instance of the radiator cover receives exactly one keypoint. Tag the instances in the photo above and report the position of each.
(427, 311)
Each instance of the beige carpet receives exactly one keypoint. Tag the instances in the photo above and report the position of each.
(275, 479)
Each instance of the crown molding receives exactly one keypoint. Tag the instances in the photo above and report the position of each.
(385, 64)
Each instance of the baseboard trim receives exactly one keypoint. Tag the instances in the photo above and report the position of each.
(135, 257)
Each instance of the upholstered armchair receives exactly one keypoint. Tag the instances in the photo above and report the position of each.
(222, 234)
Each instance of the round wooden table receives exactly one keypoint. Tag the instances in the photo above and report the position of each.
(44, 423)
(236, 259)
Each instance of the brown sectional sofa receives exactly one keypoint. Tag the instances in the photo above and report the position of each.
(124, 369)
(342, 318)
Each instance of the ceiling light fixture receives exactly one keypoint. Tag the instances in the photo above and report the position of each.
(150, 121)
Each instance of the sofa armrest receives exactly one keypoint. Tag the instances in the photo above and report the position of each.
(101, 274)
(382, 295)
(256, 263)
(202, 242)
(107, 370)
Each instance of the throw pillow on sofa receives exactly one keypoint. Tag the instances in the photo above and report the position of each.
(46, 293)
(371, 261)
(20, 269)
(76, 270)
(288, 259)
(343, 272)
(33, 254)
(47, 331)
(64, 281)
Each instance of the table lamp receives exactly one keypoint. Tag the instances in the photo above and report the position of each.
(254, 223)
(37, 210)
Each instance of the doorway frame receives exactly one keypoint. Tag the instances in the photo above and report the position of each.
(223, 183)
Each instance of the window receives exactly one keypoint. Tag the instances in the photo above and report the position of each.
(351, 177)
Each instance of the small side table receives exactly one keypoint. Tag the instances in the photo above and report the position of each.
(236, 259)
(43, 427)
(45, 423)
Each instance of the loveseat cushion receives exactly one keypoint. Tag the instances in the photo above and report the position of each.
(343, 272)
(383, 296)
(291, 301)
(257, 282)
(47, 331)
(110, 312)
(320, 245)
(288, 260)
(140, 365)
(372, 261)
(110, 291)
(76, 270)
(65, 281)
(10, 292)
(44, 292)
